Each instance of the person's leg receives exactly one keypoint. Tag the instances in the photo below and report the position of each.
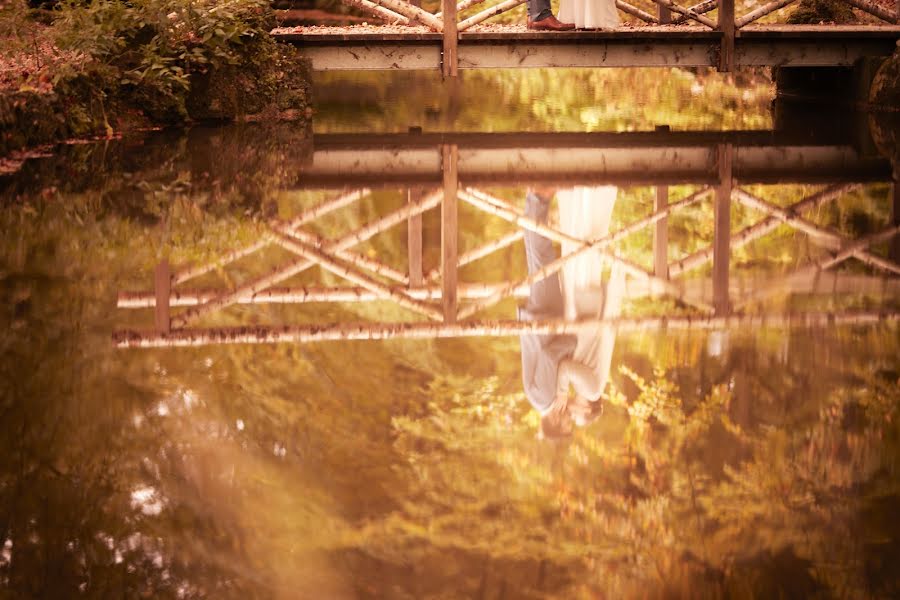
(539, 9)
(545, 296)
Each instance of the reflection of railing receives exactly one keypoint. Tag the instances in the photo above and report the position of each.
(727, 24)
(450, 306)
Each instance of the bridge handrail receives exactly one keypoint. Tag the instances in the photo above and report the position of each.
(728, 23)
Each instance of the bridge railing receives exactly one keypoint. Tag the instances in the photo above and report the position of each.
(445, 306)
(447, 22)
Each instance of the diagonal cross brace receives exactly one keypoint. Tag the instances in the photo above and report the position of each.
(820, 235)
(600, 244)
(301, 264)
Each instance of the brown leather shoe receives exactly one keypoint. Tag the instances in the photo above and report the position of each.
(550, 23)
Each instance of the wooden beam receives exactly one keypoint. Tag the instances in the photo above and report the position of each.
(701, 9)
(602, 163)
(661, 46)
(488, 13)
(354, 275)
(449, 55)
(722, 233)
(762, 11)
(636, 12)
(449, 232)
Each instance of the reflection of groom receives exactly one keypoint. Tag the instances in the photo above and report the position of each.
(541, 354)
(541, 18)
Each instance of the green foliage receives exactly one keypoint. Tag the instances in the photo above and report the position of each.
(156, 48)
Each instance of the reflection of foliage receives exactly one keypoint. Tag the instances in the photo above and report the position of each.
(681, 497)
(407, 469)
(545, 100)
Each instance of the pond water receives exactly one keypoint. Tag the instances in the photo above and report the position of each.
(748, 444)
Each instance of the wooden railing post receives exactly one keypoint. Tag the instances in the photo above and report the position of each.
(449, 56)
(414, 239)
(722, 232)
(726, 26)
(661, 234)
(449, 249)
(163, 288)
(661, 230)
(663, 14)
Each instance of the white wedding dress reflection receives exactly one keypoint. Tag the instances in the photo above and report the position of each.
(585, 213)
(590, 14)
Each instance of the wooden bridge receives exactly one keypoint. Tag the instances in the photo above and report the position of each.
(440, 305)
(676, 36)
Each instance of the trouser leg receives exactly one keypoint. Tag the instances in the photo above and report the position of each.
(545, 296)
(539, 9)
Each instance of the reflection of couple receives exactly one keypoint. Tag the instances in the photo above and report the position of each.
(553, 363)
(583, 14)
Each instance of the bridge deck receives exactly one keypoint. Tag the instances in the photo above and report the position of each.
(374, 48)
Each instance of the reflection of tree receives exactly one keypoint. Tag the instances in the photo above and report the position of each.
(689, 495)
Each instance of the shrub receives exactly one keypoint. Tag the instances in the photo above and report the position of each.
(151, 51)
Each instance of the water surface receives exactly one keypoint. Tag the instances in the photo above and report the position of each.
(731, 461)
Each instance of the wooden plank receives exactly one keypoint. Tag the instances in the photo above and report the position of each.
(414, 240)
(722, 232)
(163, 288)
(449, 233)
(449, 57)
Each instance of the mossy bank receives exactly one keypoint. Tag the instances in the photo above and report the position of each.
(87, 69)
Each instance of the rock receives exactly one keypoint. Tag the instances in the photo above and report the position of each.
(884, 94)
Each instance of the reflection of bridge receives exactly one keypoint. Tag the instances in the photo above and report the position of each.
(450, 306)
(639, 157)
(726, 42)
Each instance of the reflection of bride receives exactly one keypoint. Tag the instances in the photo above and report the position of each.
(585, 213)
